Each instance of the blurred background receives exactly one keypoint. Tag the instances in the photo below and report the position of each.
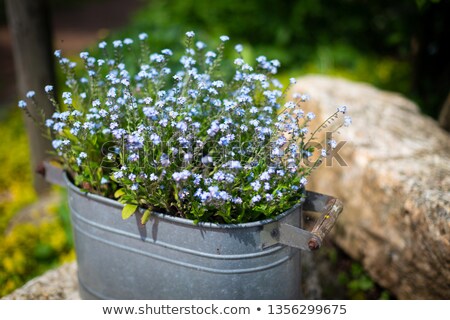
(401, 46)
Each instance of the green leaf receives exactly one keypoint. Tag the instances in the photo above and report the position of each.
(99, 172)
(128, 210)
(119, 193)
(112, 178)
(146, 216)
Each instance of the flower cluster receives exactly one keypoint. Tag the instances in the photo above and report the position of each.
(184, 140)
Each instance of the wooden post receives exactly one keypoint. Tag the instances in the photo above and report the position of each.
(29, 25)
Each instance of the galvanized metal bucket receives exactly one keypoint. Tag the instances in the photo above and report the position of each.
(173, 258)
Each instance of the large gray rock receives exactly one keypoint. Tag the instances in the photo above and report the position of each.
(395, 189)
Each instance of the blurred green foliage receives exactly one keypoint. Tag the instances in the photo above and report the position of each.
(26, 249)
(30, 249)
(396, 45)
(16, 189)
(358, 283)
(350, 280)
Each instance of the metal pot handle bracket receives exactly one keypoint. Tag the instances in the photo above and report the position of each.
(287, 234)
(53, 172)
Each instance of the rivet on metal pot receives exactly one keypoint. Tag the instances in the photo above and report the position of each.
(275, 233)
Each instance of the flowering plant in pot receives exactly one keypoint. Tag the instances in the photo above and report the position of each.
(187, 146)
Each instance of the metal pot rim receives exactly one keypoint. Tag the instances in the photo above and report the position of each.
(114, 203)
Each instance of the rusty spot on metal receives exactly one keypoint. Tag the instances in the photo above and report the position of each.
(313, 244)
(274, 233)
(40, 169)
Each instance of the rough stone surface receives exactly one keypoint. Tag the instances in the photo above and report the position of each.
(57, 284)
(396, 187)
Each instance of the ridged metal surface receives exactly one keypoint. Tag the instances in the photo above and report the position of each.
(171, 258)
